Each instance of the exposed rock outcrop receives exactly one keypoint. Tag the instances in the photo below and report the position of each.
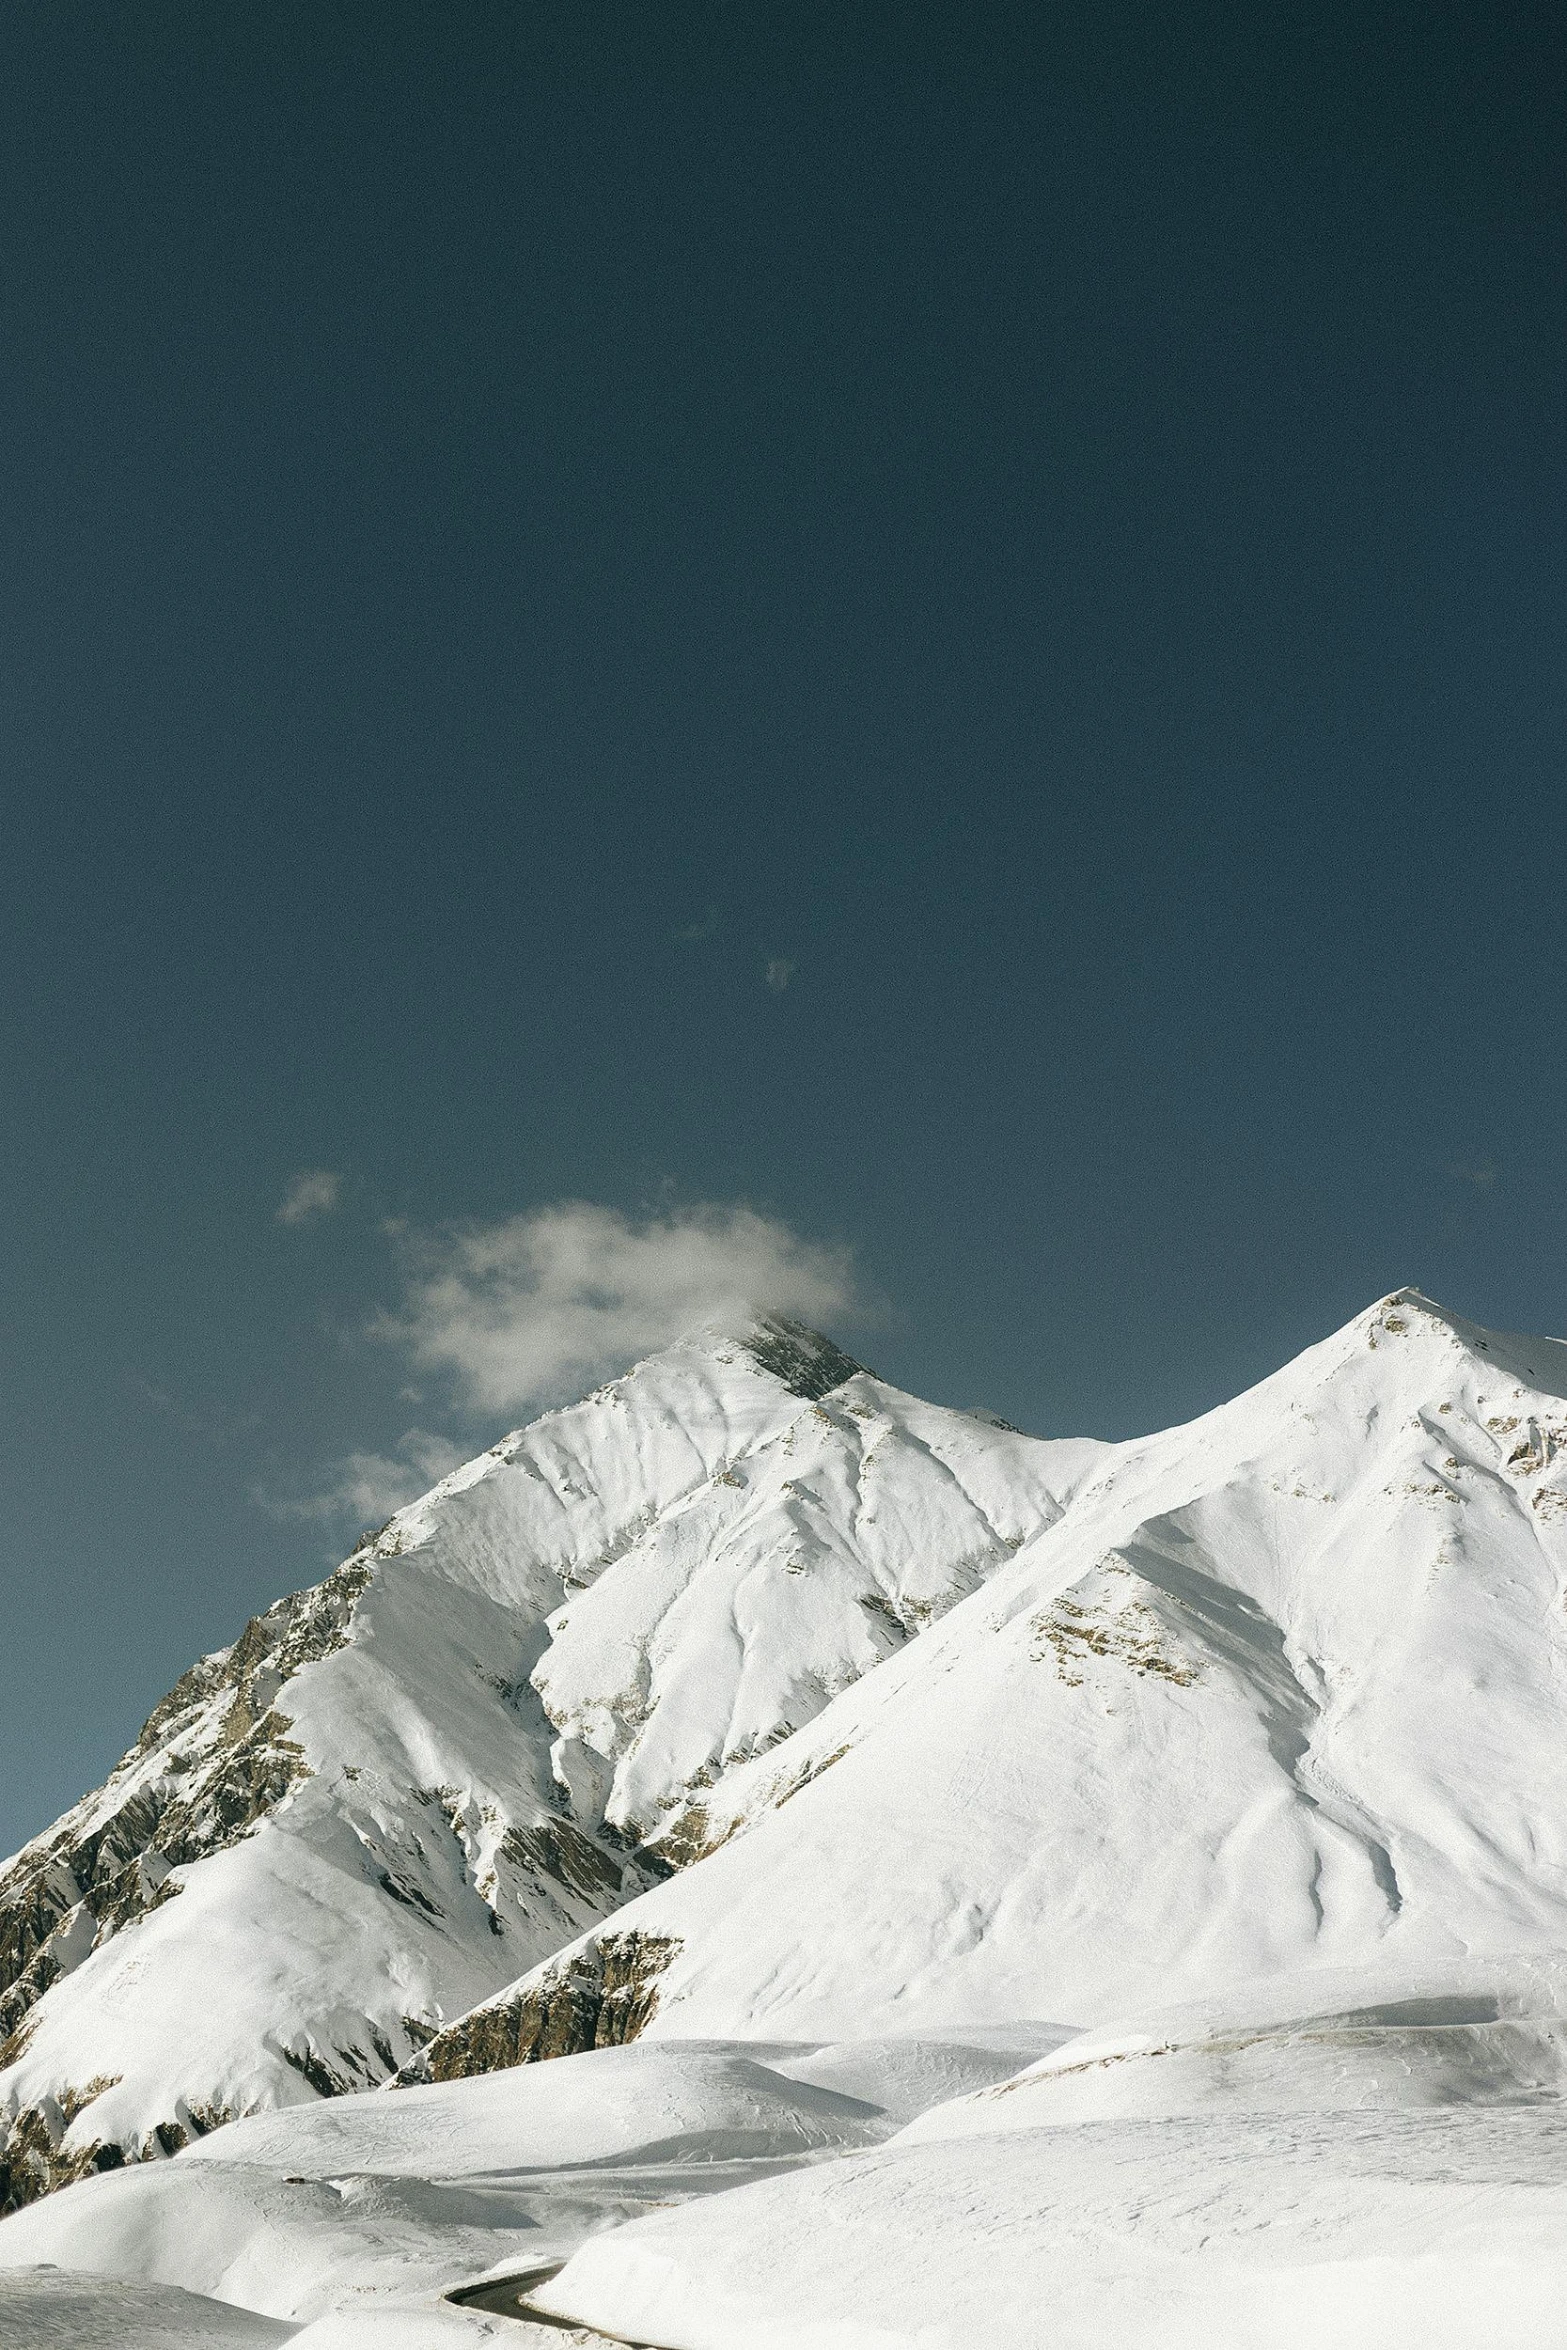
(213, 1758)
(601, 1996)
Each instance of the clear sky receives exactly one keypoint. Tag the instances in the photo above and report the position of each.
(943, 625)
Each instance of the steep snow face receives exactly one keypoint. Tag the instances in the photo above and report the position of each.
(495, 1723)
(778, 1583)
(1286, 1687)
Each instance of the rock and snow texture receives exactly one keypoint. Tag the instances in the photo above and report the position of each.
(500, 1719)
(1286, 1687)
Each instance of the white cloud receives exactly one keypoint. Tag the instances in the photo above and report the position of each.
(368, 1487)
(314, 1193)
(531, 1310)
(779, 973)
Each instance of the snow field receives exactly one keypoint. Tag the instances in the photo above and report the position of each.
(371, 2201)
(1428, 2231)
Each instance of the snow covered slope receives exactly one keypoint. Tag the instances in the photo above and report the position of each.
(55, 2309)
(1240, 1751)
(1336, 2159)
(1327, 2231)
(1283, 1688)
(1384, 2038)
(373, 2203)
(366, 2199)
(498, 1720)
(1360, 2159)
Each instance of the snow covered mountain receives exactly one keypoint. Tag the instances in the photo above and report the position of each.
(1286, 1687)
(500, 1719)
(1079, 1894)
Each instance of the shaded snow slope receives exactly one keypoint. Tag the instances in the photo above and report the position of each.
(1284, 1687)
(496, 1722)
(55, 2309)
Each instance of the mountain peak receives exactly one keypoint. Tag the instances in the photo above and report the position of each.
(801, 1360)
(1542, 1362)
(808, 1364)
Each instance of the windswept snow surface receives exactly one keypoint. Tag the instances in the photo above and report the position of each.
(54, 2309)
(1326, 2231)
(400, 1791)
(1367, 2039)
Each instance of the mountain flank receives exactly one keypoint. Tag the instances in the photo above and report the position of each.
(497, 1722)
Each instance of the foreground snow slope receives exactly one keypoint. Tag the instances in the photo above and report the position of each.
(490, 1727)
(1285, 1687)
(1327, 2160)
(54, 2309)
(1411, 2231)
(1411, 2198)
(372, 2202)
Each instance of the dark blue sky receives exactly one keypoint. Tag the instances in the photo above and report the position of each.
(516, 518)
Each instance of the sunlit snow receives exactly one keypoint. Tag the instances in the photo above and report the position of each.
(1119, 1894)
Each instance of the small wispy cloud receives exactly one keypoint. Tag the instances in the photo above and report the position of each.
(689, 933)
(210, 1421)
(367, 1487)
(531, 1310)
(779, 973)
(1482, 1174)
(316, 1192)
